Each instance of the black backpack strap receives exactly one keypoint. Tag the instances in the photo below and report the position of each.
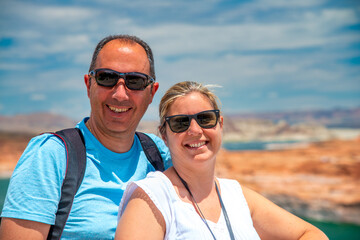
(75, 169)
(151, 151)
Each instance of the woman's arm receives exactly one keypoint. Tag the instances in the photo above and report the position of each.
(273, 222)
(141, 219)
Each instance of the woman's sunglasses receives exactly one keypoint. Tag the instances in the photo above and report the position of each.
(133, 80)
(205, 119)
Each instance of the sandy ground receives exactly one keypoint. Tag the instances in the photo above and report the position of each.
(11, 148)
(320, 180)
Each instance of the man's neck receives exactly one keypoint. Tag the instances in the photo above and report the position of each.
(116, 142)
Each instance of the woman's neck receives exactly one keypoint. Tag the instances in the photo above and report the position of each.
(200, 182)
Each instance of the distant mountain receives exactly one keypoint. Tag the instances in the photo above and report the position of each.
(35, 123)
(285, 126)
(292, 125)
(332, 118)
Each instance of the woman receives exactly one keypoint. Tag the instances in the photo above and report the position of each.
(187, 201)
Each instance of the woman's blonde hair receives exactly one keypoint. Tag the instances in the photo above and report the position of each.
(179, 90)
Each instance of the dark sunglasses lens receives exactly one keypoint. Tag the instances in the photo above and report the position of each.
(106, 78)
(179, 123)
(207, 119)
(136, 81)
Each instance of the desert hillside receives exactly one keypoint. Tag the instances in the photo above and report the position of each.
(11, 147)
(320, 180)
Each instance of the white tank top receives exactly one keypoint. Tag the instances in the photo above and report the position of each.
(183, 222)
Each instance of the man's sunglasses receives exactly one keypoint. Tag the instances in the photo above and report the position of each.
(133, 80)
(181, 123)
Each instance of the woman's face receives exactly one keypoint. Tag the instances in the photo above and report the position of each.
(195, 144)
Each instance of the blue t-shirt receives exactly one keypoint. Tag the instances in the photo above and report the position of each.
(35, 186)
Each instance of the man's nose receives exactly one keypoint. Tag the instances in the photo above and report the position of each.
(120, 90)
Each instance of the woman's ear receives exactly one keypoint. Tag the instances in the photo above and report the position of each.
(165, 141)
(163, 135)
(221, 121)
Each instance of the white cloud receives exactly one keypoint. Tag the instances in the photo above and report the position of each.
(269, 4)
(311, 30)
(74, 107)
(47, 14)
(257, 46)
(64, 44)
(182, 39)
(272, 95)
(15, 66)
(37, 97)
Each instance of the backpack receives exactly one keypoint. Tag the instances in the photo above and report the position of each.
(75, 169)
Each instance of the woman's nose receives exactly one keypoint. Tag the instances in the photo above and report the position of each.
(194, 128)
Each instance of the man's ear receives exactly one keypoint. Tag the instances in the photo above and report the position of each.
(153, 90)
(87, 81)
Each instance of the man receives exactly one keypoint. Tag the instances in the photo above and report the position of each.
(114, 154)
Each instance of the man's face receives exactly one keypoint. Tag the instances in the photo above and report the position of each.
(117, 109)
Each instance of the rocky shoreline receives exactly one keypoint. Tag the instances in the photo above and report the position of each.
(318, 182)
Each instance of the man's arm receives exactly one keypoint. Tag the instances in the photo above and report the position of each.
(18, 229)
(34, 190)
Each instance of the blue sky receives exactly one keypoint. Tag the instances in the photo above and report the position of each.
(267, 55)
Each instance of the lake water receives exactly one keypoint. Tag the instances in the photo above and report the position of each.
(335, 231)
(261, 145)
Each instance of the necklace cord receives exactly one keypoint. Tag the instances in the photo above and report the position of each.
(202, 215)
(193, 199)
(225, 214)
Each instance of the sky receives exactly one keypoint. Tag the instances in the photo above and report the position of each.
(264, 55)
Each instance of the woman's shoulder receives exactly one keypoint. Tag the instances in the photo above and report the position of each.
(228, 183)
(157, 185)
(155, 189)
(156, 178)
(231, 188)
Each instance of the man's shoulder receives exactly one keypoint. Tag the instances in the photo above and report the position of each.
(154, 137)
(158, 142)
(46, 140)
(163, 149)
(53, 139)
(43, 148)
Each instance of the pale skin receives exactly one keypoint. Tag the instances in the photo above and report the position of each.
(115, 114)
(196, 166)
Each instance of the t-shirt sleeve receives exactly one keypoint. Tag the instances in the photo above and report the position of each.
(35, 186)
